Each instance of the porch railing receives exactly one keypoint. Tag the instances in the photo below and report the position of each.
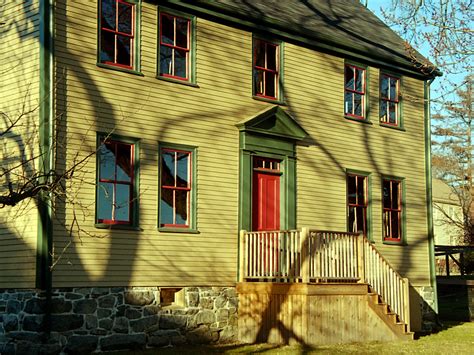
(308, 255)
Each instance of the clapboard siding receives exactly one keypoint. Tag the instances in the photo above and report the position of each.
(153, 110)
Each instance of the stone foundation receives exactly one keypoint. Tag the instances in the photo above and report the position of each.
(429, 317)
(84, 320)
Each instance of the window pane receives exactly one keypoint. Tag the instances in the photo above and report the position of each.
(124, 162)
(358, 102)
(167, 29)
(348, 103)
(384, 87)
(349, 77)
(122, 202)
(108, 14)
(359, 84)
(123, 50)
(107, 161)
(258, 77)
(351, 220)
(360, 190)
(167, 169)
(351, 189)
(270, 85)
(182, 32)
(393, 90)
(183, 170)
(386, 224)
(386, 194)
(383, 111)
(125, 19)
(107, 47)
(271, 57)
(166, 207)
(395, 195)
(259, 53)
(166, 65)
(181, 206)
(392, 112)
(180, 68)
(105, 199)
(395, 224)
(360, 217)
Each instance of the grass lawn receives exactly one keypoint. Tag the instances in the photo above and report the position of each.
(454, 339)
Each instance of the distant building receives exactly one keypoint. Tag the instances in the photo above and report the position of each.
(446, 210)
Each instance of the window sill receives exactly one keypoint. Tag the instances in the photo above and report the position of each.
(117, 227)
(398, 128)
(273, 101)
(117, 68)
(177, 81)
(355, 119)
(178, 230)
(394, 242)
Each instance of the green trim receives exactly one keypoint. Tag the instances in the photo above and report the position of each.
(280, 100)
(429, 189)
(46, 118)
(370, 235)
(403, 239)
(194, 186)
(350, 118)
(192, 53)
(136, 48)
(367, 110)
(400, 125)
(136, 183)
(397, 128)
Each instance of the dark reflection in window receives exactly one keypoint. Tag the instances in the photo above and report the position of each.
(357, 203)
(392, 209)
(354, 96)
(266, 69)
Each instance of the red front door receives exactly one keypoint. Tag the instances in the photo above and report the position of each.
(266, 195)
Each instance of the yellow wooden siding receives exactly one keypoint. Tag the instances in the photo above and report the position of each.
(19, 72)
(153, 110)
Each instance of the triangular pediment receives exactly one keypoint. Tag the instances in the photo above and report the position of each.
(274, 121)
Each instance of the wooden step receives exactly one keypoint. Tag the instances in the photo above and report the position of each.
(390, 318)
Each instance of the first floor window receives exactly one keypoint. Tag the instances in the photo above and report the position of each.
(357, 203)
(392, 209)
(354, 91)
(117, 32)
(389, 100)
(176, 187)
(116, 182)
(266, 69)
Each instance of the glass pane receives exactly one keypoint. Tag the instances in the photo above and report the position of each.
(393, 89)
(124, 162)
(358, 102)
(125, 18)
(107, 161)
(349, 77)
(180, 67)
(182, 179)
(392, 112)
(386, 224)
(270, 84)
(259, 53)
(122, 202)
(167, 29)
(105, 199)
(182, 32)
(383, 111)
(395, 195)
(108, 14)
(271, 57)
(167, 169)
(181, 207)
(166, 207)
(348, 106)
(361, 190)
(359, 84)
(351, 220)
(166, 64)
(351, 189)
(384, 87)
(395, 224)
(123, 50)
(107, 47)
(386, 194)
(258, 77)
(360, 217)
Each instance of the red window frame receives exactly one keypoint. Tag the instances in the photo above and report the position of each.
(354, 92)
(174, 188)
(117, 33)
(265, 69)
(385, 101)
(357, 204)
(388, 229)
(175, 47)
(116, 182)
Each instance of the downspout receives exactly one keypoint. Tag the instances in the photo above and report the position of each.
(429, 198)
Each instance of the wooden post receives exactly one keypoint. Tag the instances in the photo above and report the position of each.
(361, 258)
(305, 255)
(242, 259)
(447, 263)
(406, 304)
(461, 263)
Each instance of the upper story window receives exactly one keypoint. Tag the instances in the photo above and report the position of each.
(117, 33)
(392, 209)
(354, 91)
(389, 100)
(357, 203)
(175, 50)
(266, 69)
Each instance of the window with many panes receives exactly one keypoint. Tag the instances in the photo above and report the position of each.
(116, 176)
(392, 209)
(117, 23)
(175, 47)
(354, 91)
(389, 100)
(177, 189)
(266, 69)
(357, 203)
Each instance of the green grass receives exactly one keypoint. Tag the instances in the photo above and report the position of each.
(454, 339)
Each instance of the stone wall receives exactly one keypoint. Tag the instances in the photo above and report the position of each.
(84, 320)
(429, 317)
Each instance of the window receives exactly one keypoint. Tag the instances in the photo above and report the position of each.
(116, 196)
(177, 187)
(357, 203)
(175, 50)
(266, 69)
(117, 33)
(354, 92)
(392, 210)
(389, 100)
